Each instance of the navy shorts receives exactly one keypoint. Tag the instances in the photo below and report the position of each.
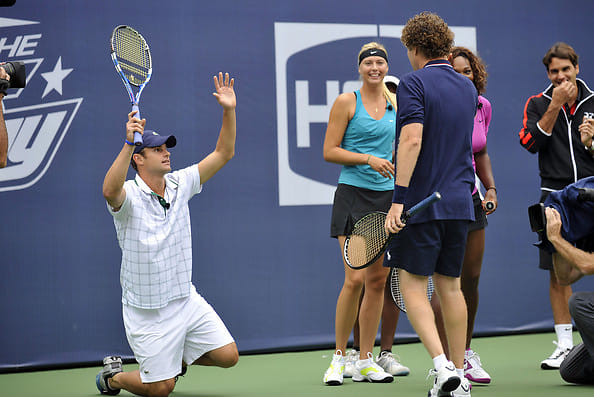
(429, 247)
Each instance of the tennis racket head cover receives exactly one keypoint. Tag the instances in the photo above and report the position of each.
(367, 241)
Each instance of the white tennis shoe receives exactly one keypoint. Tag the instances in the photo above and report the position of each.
(391, 364)
(349, 364)
(446, 380)
(556, 358)
(473, 370)
(334, 373)
(463, 390)
(368, 370)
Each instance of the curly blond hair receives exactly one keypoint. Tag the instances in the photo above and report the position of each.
(429, 34)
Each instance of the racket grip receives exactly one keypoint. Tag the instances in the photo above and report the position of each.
(489, 206)
(137, 135)
(436, 196)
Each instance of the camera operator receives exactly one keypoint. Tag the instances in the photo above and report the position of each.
(12, 75)
(4, 84)
(571, 263)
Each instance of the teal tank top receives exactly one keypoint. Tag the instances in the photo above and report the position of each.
(364, 134)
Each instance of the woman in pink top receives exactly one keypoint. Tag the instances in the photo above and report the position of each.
(471, 66)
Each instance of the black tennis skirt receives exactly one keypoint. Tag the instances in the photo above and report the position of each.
(480, 217)
(351, 203)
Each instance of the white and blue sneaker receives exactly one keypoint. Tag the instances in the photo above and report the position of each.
(391, 364)
(111, 366)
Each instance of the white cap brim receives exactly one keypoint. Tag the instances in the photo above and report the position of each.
(391, 79)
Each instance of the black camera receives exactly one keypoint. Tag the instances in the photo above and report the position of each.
(585, 194)
(17, 73)
(538, 220)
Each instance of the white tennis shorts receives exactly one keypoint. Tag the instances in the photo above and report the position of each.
(184, 330)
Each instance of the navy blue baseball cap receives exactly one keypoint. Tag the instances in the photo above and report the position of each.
(150, 138)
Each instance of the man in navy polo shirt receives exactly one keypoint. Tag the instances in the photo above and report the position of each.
(436, 108)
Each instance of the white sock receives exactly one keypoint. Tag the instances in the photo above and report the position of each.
(460, 372)
(564, 335)
(439, 361)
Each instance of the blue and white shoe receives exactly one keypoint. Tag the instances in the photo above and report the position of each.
(391, 364)
(111, 366)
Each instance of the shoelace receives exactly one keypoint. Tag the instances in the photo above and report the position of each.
(338, 353)
(559, 351)
(390, 356)
(432, 372)
(352, 355)
(475, 356)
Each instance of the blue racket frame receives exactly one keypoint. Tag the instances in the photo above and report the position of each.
(134, 99)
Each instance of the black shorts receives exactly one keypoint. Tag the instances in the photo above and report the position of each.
(351, 203)
(429, 247)
(480, 217)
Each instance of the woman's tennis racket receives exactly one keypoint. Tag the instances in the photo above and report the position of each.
(397, 294)
(368, 240)
(132, 59)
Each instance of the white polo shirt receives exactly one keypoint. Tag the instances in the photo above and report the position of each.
(156, 242)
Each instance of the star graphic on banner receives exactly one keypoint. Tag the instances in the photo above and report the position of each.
(54, 78)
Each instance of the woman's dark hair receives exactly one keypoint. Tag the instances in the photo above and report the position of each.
(479, 71)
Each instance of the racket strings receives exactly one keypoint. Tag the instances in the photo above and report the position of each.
(367, 239)
(133, 55)
(396, 291)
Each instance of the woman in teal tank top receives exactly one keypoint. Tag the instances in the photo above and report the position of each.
(360, 136)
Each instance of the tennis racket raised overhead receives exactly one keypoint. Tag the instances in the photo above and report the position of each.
(132, 59)
(368, 240)
(397, 293)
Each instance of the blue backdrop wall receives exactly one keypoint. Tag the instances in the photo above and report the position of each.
(262, 253)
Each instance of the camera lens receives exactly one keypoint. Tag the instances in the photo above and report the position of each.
(9, 68)
(16, 71)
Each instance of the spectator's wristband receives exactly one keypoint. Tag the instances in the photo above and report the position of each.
(399, 194)
(129, 143)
